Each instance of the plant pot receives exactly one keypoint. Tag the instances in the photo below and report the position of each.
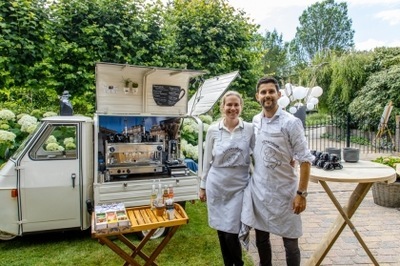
(351, 155)
(386, 195)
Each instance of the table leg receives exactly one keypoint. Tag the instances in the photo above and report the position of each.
(118, 250)
(137, 250)
(161, 246)
(337, 227)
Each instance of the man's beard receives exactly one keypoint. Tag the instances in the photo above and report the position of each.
(271, 106)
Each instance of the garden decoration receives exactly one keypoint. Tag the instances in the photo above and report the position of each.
(299, 96)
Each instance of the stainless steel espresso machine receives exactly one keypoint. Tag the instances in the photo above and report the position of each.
(139, 150)
(134, 158)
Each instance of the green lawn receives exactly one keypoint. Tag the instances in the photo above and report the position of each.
(193, 244)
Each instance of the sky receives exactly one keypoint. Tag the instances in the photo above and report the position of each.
(376, 22)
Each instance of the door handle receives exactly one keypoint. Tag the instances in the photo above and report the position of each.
(73, 177)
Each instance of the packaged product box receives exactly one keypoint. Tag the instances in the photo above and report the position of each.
(112, 220)
(101, 222)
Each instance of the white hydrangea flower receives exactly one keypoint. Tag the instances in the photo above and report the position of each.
(48, 114)
(51, 139)
(7, 115)
(31, 128)
(68, 140)
(189, 150)
(7, 137)
(70, 146)
(54, 147)
(188, 129)
(61, 148)
(207, 119)
(28, 119)
(27, 122)
(5, 126)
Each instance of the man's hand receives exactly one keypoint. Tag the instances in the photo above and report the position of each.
(299, 204)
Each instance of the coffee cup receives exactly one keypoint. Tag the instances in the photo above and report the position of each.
(166, 95)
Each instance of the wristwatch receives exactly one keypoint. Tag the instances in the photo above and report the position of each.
(302, 193)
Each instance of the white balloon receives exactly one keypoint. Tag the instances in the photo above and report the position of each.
(292, 110)
(283, 93)
(316, 91)
(313, 100)
(310, 106)
(283, 101)
(299, 93)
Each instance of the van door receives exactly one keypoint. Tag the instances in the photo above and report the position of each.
(50, 180)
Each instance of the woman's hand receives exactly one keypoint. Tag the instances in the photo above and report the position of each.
(202, 195)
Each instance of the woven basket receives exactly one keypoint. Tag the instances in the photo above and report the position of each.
(386, 195)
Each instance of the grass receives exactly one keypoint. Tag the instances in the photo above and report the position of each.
(193, 244)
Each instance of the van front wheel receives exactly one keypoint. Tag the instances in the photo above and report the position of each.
(6, 236)
(160, 232)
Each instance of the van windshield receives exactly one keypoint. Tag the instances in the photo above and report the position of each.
(18, 152)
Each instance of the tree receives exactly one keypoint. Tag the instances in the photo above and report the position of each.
(382, 85)
(323, 26)
(212, 35)
(25, 64)
(275, 60)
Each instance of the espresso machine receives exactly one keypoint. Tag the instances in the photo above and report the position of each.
(133, 158)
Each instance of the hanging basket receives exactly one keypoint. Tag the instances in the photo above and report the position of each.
(386, 195)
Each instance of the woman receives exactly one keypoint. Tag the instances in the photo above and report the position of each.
(226, 174)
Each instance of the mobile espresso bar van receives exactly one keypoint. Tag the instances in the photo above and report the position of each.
(132, 142)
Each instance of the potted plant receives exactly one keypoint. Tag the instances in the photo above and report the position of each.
(388, 195)
(127, 86)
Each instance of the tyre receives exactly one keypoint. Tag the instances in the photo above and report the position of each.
(160, 232)
(6, 236)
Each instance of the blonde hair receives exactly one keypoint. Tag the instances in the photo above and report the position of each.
(227, 94)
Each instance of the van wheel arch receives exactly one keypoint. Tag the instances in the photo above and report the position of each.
(6, 236)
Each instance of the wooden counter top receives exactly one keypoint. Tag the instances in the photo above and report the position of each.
(143, 218)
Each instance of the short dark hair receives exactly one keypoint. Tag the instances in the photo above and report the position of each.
(266, 80)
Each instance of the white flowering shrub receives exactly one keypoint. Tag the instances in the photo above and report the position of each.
(54, 147)
(69, 144)
(49, 114)
(28, 123)
(51, 139)
(7, 140)
(7, 115)
(189, 136)
(206, 119)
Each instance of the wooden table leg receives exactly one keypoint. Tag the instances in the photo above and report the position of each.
(137, 250)
(343, 218)
(120, 252)
(161, 246)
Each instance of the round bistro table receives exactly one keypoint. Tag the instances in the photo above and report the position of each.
(365, 174)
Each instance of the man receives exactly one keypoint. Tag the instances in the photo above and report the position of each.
(276, 196)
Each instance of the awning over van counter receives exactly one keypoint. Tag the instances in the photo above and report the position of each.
(209, 93)
(130, 89)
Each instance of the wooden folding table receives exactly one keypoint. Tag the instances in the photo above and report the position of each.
(142, 218)
(364, 173)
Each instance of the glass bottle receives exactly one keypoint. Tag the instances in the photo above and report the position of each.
(170, 191)
(153, 195)
(165, 194)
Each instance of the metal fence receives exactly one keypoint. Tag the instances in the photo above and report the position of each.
(338, 134)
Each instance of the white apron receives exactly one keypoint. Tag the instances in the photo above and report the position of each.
(267, 203)
(226, 181)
